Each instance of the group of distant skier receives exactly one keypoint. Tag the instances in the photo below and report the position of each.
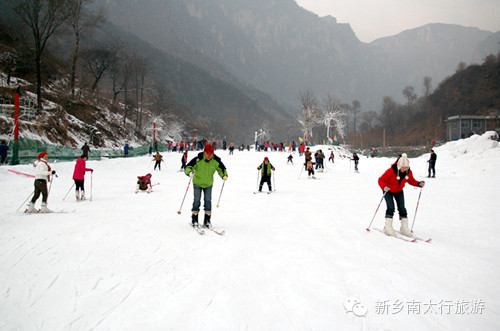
(202, 168)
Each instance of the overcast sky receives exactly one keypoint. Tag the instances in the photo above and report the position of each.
(372, 19)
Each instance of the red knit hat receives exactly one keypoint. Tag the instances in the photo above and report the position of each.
(266, 159)
(209, 149)
(41, 155)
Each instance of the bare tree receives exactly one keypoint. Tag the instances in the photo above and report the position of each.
(80, 19)
(369, 119)
(265, 132)
(461, 66)
(8, 62)
(310, 114)
(127, 69)
(97, 62)
(161, 98)
(427, 86)
(333, 112)
(43, 17)
(410, 96)
(388, 115)
(118, 78)
(140, 70)
(356, 105)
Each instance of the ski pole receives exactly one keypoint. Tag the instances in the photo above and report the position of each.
(224, 182)
(187, 188)
(91, 185)
(274, 181)
(416, 208)
(301, 168)
(68, 191)
(257, 179)
(50, 186)
(383, 196)
(25, 201)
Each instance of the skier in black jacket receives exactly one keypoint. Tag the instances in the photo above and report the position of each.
(432, 164)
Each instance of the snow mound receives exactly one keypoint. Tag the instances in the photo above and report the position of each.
(472, 146)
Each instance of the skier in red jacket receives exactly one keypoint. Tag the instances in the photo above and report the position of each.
(392, 183)
(79, 177)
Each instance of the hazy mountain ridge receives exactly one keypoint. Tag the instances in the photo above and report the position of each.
(434, 49)
(281, 48)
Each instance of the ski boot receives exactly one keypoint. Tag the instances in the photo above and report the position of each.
(44, 208)
(31, 208)
(404, 227)
(77, 195)
(388, 230)
(82, 197)
(194, 219)
(206, 221)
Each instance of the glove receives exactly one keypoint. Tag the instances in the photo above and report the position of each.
(421, 184)
(225, 177)
(386, 189)
(92, 170)
(53, 172)
(191, 174)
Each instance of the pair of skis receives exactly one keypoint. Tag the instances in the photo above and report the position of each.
(201, 231)
(400, 236)
(39, 211)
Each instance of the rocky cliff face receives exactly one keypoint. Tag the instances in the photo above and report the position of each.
(281, 48)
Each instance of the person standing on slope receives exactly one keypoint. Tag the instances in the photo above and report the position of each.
(432, 164)
(42, 174)
(307, 156)
(202, 169)
(184, 160)
(355, 158)
(392, 183)
(265, 171)
(79, 177)
(158, 160)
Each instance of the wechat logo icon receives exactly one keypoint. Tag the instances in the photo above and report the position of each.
(356, 307)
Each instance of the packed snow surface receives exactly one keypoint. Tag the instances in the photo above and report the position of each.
(297, 259)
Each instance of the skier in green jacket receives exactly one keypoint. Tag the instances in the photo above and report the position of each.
(202, 169)
(265, 170)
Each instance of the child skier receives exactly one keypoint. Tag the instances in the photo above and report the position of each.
(290, 159)
(265, 171)
(159, 159)
(310, 169)
(392, 183)
(144, 183)
(79, 177)
(355, 158)
(332, 157)
(202, 169)
(42, 174)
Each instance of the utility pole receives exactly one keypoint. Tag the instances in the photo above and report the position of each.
(15, 151)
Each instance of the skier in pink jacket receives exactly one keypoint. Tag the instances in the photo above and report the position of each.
(79, 177)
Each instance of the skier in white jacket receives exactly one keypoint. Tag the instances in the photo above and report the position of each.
(42, 174)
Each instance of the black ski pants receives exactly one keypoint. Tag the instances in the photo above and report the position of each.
(400, 202)
(40, 187)
(265, 179)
